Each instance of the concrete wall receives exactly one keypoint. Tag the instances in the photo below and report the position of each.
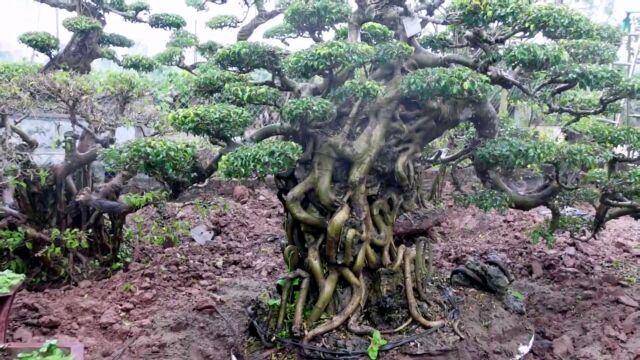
(49, 128)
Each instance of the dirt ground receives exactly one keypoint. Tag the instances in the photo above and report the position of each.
(188, 301)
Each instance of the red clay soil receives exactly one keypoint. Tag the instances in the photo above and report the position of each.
(188, 301)
(581, 297)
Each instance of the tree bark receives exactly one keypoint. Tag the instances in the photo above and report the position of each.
(78, 55)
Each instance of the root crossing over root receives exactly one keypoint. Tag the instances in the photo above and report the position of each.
(357, 289)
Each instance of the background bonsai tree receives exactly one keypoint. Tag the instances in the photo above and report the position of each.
(54, 218)
(89, 42)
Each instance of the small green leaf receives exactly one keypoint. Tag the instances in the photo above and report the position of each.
(517, 295)
(376, 342)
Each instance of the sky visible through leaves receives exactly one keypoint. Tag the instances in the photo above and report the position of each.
(19, 16)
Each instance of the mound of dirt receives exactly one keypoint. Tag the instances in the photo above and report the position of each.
(188, 301)
(581, 296)
(183, 302)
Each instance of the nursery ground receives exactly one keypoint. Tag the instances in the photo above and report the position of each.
(188, 301)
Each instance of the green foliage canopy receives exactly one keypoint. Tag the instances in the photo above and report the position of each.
(217, 121)
(458, 82)
(245, 56)
(117, 40)
(260, 160)
(308, 111)
(316, 16)
(327, 56)
(223, 21)
(166, 160)
(82, 24)
(139, 63)
(40, 41)
(182, 39)
(167, 21)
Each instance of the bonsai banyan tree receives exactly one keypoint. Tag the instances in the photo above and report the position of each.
(382, 81)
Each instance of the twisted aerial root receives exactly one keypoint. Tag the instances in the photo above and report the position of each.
(386, 255)
(326, 293)
(352, 325)
(372, 258)
(299, 311)
(411, 300)
(348, 246)
(383, 223)
(294, 204)
(399, 257)
(313, 260)
(420, 268)
(403, 165)
(283, 303)
(456, 329)
(399, 328)
(344, 315)
(360, 259)
(323, 168)
(358, 329)
(423, 267)
(302, 299)
(349, 276)
(334, 231)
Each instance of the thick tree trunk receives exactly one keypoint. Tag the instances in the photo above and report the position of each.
(78, 55)
(349, 190)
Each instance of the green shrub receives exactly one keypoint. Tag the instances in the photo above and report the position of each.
(315, 16)
(328, 56)
(48, 351)
(448, 83)
(166, 160)
(182, 39)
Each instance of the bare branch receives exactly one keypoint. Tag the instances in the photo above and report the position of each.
(132, 18)
(604, 103)
(263, 16)
(60, 4)
(525, 201)
(618, 213)
(271, 131)
(468, 149)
